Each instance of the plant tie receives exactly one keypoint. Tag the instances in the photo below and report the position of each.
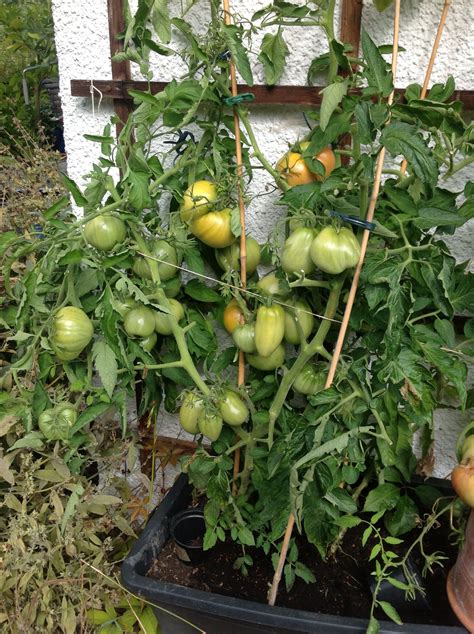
(354, 220)
(234, 101)
(183, 140)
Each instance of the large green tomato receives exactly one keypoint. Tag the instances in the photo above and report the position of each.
(335, 251)
(233, 409)
(197, 200)
(214, 229)
(71, 331)
(311, 379)
(139, 322)
(300, 315)
(56, 423)
(172, 286)
(271, 285)
(229, 258)
(210, 425)
(190, 411)
(161, 250)
(295, 257)
(269, 329)
(273, 361)
(104, 232)
(244, 338)
(163, 321)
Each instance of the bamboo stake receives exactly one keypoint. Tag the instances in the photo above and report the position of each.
(434, 52)
(350, 302)
(243, 245)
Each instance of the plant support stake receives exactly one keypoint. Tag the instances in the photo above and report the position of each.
(350, 301)
(243, 246)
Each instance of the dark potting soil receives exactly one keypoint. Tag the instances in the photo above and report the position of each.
(342, 584)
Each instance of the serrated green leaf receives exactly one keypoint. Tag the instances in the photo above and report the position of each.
(332, 96)
(378, 75)
(76, 193)
(390, 611)
(239, 53)
(160, 18)
(106, 365)
(382, 498)
(273, 54)
(202, 293)
(403, 139)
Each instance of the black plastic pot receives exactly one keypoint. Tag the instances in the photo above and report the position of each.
(187, 530)
(216, 614)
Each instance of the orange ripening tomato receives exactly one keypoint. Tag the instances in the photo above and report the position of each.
(233, 316)
(294, 170)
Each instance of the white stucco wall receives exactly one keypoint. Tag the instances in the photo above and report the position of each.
(83, 53)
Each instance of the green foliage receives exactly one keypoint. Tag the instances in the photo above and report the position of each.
(26, 39)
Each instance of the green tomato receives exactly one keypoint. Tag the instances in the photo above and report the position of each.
(300, 315)
(295, 257)
(125, 306)
(269, 329)
(197, 200)
(271, 285)
(244, 338)
(56, 423)
(71, 331)
(190, 411)
(104, 232)
(163, 323)
(172, 286)
(229, 258)
(139, 322)
(233, 409)
(335, 251)
(311, 379)
(273, 361)
(210, 425)
(148, 343)
(161, 250)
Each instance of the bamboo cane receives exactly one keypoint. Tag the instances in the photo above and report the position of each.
(347, 313)
(243, 246)
(434, 52)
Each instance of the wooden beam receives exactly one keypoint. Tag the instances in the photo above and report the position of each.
(351, 17)
(120, 70)
(276, 95)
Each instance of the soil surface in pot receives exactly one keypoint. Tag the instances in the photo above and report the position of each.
(342, 584)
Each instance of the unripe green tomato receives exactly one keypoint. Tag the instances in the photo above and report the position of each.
(71, 331)
(210, 425)
(229, 258)
(295, 257)
(197, 200)
(467, 449)
(104, 232)
(125, 306)
(244, 338)
(172, 286)
(271, 285)
(139, 322)
(161, 250)
(269, 329)
(233, 409)
(190, 411)
(56, 423)
(310, 380)
(148, 343)
(335, 251)
(299, 314)
(273, 361)
(162, 320)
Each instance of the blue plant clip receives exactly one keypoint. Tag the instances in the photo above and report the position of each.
(354, 220)
(234, 101)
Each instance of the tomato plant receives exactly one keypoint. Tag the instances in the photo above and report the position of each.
(269, 329)
(233, 410)
(139, 322)
(214, 229)
(335, 251)
(244, 337)
(71, 332)
(295, 256)
(229, 258)
(233, 316)
(163, 324)
(197, 200)
(190, 411)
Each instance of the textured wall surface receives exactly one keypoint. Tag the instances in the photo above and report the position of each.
(83, 53)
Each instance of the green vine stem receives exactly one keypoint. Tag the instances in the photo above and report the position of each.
(178, 332)
(307, 351)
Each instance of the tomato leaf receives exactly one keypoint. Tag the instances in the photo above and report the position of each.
(106, 365)
(332, 96)
(160, 18)
(273, 53)
(79, 199)
(390, 611)
(202, 293)
(403, 139)
(383, 497)
(378, 75)
(239, 54)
